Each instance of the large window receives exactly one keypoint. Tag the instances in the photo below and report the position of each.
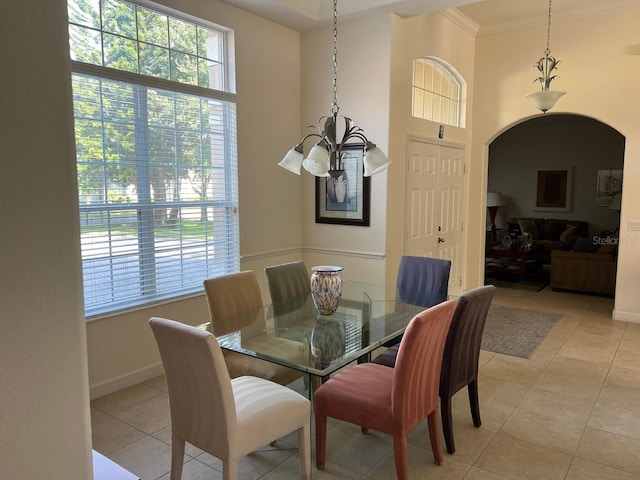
(155, 126)
(436, 92)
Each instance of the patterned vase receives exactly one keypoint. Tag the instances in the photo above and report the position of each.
(326, 288)
(327, 341)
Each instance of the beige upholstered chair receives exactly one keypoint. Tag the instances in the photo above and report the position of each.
(226, 418)
(235, 302)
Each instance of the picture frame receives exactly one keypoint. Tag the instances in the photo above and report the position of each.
(608, 185)
(344, 200)
(553, 189)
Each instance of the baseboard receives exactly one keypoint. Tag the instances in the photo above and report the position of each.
(631, 317)
(125, 381)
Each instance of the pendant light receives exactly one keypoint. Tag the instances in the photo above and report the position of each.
(546, 99)
(325, 158)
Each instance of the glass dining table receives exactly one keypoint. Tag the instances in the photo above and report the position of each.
(294, 335)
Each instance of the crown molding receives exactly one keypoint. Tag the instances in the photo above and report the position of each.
(460, 19)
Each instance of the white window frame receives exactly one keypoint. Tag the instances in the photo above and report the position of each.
(213, 255)
(438, 95)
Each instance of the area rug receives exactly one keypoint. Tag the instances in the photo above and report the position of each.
(532, 283)
(527, 285)
(516, 331)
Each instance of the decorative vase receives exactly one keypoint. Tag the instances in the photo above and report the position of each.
(326, 288)
(327, 341)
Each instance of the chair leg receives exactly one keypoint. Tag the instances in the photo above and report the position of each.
(364, 430)
(321, 441)
(304, 448)
(400, 456)
(434, 436)
(230, 470)
(177, 457)
(473, 401)
(447, 423)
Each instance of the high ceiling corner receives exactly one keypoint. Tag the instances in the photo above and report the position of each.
(491, 16)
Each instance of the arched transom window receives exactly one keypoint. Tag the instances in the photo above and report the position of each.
(436, 92)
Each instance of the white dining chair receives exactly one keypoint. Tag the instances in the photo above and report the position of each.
(226, 418)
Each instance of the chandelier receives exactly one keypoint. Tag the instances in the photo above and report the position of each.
(546, 99)
(325, 158)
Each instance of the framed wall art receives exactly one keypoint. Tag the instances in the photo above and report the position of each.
(609, 184)
(553, 189)
(344, 199)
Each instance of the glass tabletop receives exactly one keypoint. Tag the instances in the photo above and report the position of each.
(293, 334)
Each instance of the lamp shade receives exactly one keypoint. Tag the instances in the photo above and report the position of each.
(292, 161)
(494, 199)
(616, 202)
(374, 160)
(545, 99)
(317, 163)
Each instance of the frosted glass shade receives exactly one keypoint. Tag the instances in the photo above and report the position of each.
(317, 163)
(374, 160)
(545, 99)
(292, 161)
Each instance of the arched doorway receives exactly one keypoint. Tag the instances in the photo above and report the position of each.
(578, 154)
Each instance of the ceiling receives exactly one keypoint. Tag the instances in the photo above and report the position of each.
(490, 15)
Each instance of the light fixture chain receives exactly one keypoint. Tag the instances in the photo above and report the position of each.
(334, 106)
(548, 51)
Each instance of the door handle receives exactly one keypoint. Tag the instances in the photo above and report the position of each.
(440, 240)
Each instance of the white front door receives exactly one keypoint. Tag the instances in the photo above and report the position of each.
(434, 205)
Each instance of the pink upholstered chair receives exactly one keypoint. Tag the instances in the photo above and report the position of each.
(226, 418)
(461, 356)
(389, 400)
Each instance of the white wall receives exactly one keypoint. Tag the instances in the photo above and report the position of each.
(44, 401)
(601, 81)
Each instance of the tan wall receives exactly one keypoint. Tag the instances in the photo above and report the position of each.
(121, 347)
(44, 401)
(272, 215)
(432, 35)
(363, 95)
(601, 81)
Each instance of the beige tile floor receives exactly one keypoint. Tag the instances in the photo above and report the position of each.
(571, 411)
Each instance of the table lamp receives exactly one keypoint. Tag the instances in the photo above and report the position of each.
(494, 200)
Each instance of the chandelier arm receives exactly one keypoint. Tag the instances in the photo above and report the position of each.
(359, 135)
(327, 127)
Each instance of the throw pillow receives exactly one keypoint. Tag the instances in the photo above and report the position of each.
(568, 232)
(585, 244)
(553, 230)
(529, 225)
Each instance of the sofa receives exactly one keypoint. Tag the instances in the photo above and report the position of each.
(590, 267)
(550, 234)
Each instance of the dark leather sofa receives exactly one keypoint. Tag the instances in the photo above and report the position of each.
(549, 233)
